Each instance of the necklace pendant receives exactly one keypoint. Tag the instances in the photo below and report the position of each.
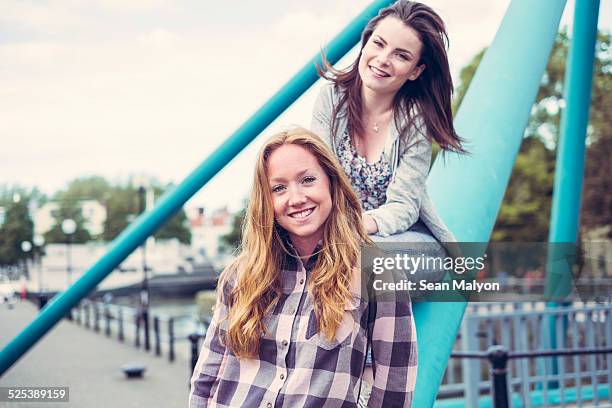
(375, 127)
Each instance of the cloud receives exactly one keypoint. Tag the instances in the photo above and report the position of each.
(111, 87)
(39, 17)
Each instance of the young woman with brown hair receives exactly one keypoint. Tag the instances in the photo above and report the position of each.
(381, 115)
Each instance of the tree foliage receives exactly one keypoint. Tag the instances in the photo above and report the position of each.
(16, 226)
(122, 203)
(68, 209)
(231, 241)
(525, 210)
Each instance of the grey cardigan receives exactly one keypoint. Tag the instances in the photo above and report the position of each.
(410, 159)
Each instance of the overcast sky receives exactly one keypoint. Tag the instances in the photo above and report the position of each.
(118, 88)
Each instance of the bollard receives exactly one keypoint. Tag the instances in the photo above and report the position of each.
(107, 316)
(120, 323)
(193, 338)
(134, 370)
(498, 358)
(96, 317)
(137, 327)
(157, 338)
(171, 339)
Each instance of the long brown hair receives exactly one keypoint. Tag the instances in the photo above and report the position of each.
(263, 250)
(428, 96)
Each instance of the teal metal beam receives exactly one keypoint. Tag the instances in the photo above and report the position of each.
(172, 201)
(468, 190)
(571, 148)
(569, 170)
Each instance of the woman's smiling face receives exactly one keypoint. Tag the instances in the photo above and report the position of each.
(390, 56)
(300, 192)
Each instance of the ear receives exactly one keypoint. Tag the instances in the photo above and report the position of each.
(417, 71)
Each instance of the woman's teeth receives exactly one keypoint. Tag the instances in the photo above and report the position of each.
(378, 71)
(302, 214)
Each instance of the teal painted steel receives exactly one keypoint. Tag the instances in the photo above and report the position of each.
(468, 190)
(569, 170)
(172, 201)
(575, 118)
(536, 398)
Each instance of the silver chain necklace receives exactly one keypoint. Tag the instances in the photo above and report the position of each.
(375, 127)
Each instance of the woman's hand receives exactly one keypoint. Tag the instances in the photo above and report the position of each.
(370, 224)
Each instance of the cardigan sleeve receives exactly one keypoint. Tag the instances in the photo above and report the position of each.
(405, 192)
(321, 115)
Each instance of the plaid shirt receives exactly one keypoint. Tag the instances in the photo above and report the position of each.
(298, 367)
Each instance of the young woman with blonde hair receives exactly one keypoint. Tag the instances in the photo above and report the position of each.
(290, 328)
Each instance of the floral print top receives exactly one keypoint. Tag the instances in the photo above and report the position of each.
(369, 180)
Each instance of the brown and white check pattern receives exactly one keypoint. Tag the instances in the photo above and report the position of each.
(298, 367)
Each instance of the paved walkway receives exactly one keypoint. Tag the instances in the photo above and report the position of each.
(90, 364)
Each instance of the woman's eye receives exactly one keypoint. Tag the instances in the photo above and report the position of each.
(377, 43)
(278, 188)
(403, 57)
(309, 179)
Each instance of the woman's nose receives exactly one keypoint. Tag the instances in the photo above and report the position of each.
(296, 196)
(383, 58)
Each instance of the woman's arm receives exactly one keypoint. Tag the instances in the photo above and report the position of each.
(394, 355)
(213, 352)
(406, 190)
(370, 224)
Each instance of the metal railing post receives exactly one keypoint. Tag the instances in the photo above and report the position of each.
(120, 324)
(96, 317)
(171, 339)
(107, 316)
(137, 328)
(470, 369)
(87, 315)
(193, 338)
(498, 357)
(157, 336)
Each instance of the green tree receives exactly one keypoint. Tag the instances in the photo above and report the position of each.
(177, 226)
(525, 210)
(123, 206)
(597, 192)
(231, 241)
(465, 79)
(122, 203)
(17, 225)
(68, 209)
(85, 188)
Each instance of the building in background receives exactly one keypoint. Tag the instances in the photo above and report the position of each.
(206, 231)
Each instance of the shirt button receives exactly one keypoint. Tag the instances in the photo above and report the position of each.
(282, 376)
(301, 281)
(269, 405)
(291, 311)
(285, 342)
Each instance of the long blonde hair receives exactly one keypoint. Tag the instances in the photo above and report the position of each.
(257, 286)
